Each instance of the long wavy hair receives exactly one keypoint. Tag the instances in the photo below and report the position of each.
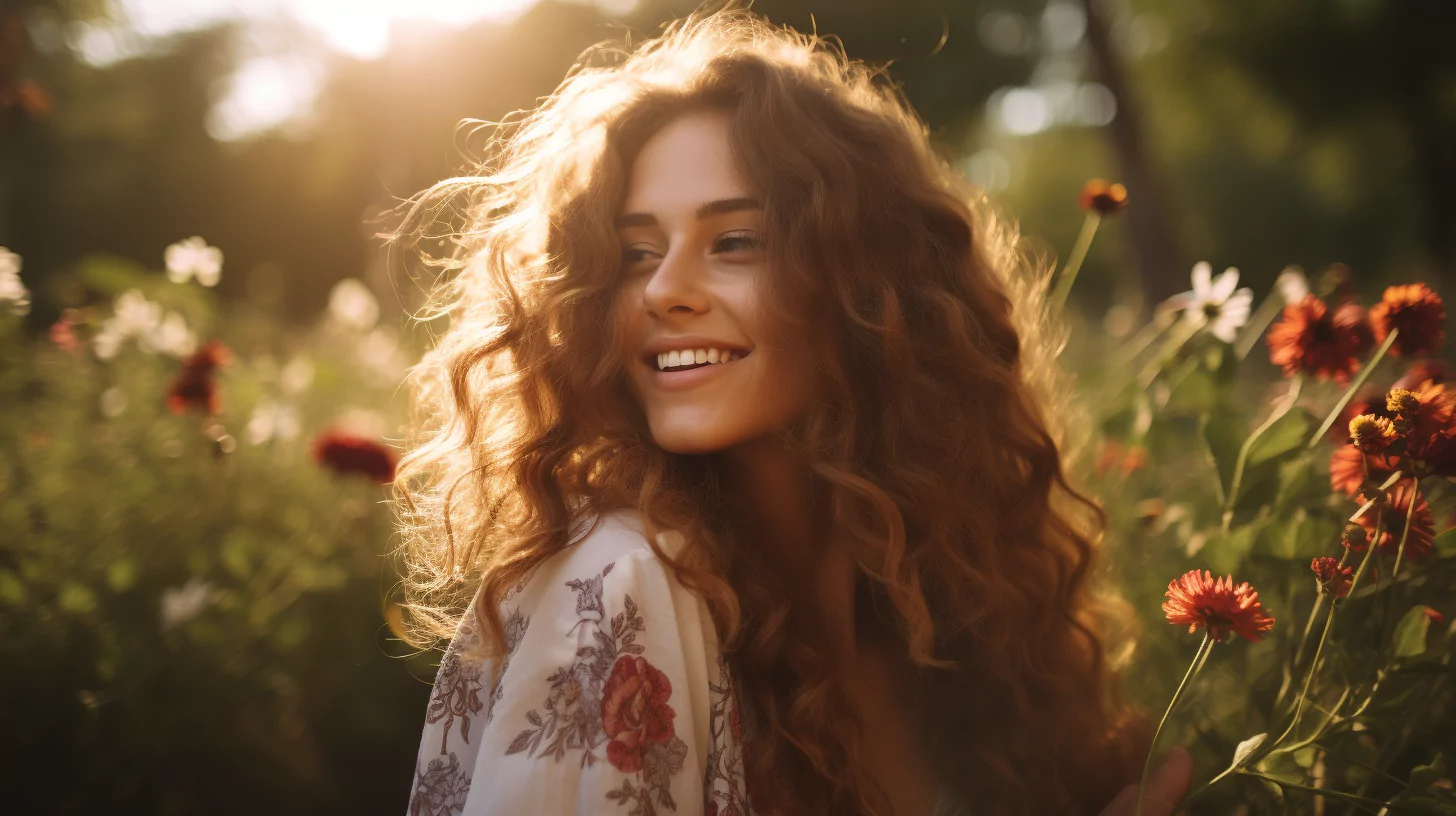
(934, 437)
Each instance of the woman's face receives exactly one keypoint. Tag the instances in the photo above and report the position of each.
(705, 361)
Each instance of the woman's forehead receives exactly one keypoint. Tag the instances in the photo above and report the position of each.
(685, 165)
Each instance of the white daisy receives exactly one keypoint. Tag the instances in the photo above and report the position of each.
(1213, 305)
(352, 304)
(1292, 285)
(193, 258)
(13, 294)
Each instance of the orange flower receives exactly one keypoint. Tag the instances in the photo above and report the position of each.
(1433, 615)
(1371, 433)
(1105, 198)
(1422, 532)
(194, 386)
(1309, 338)
(1347, 469)
(1126, 459)
(1332, 577)
(1198, 600)
(1418, 312)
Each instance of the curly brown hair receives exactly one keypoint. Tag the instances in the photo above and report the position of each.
(934, 434)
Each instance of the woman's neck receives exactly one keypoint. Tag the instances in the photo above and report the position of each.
(786, 514)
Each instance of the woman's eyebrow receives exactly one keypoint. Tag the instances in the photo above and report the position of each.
(708, 210)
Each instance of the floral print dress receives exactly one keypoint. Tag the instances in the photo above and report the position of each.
(611, 696)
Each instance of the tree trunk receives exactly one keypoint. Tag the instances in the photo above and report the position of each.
(1158, 269)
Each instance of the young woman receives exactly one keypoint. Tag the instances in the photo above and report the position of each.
(741, 493)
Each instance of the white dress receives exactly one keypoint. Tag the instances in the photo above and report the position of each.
(612, 696)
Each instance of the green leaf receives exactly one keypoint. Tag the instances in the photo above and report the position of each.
(1223, 433)
(1286, 435)
(1410, 634)
(1446, 543)
(1424, 776)
(1225, 552)
(1246, 749)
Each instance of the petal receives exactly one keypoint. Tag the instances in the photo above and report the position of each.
(1201, 272)
(1225, 285)
(1225, 329)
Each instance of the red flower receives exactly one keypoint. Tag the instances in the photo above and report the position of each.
(1347, 469)
(1332, 577)
(1310, 338)
(1105, 198)
(347, 453)
(194, 386)
(1422, 532)
(63, 332)
(1368, 401)
(1434, 616)
(1198, 600)
(635, 711)
(1417, 312)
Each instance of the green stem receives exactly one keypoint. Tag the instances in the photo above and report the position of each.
(1176, 340)
(1324, 636)
(1333, 794)
(1260, 321)
(1237, 480)
(1074, 262)
(1409, 516)
(1203, 649)
(1354, 386)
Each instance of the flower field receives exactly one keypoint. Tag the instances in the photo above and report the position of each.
(195, 581)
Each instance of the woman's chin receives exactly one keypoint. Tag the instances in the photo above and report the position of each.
(692, 440)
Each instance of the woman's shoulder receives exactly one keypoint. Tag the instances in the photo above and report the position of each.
(610, 690)
(613, 541)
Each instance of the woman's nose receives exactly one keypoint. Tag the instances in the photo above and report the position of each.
(676, 286)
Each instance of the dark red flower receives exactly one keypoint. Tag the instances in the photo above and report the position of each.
(1311, 339)
(1417, 312)
(1347, 469)
(1105, 198)
(635, 711)
(195, 386)
(1422, 532)
(1198, 600)
(1332, 577)
(347, 453)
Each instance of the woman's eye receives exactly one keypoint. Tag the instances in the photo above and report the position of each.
(632, 255)
(737, 241)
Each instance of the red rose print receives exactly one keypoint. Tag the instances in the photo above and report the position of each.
(635, 711)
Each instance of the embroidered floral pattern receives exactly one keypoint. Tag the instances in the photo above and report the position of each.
(635, 711)
(723, 781)
(456, 694)
(610, 694)
(441, 789)
(515, 626)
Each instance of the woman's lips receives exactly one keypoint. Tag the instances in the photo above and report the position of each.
(691, 377)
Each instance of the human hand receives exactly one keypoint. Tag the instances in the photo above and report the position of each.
(1166, 786)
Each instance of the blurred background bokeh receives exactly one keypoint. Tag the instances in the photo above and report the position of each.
(195, 609)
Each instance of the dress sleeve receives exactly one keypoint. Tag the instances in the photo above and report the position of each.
(602, 704)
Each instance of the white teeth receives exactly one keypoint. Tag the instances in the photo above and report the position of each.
(687, 357)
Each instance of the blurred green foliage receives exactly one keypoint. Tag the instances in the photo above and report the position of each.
(192, 612)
